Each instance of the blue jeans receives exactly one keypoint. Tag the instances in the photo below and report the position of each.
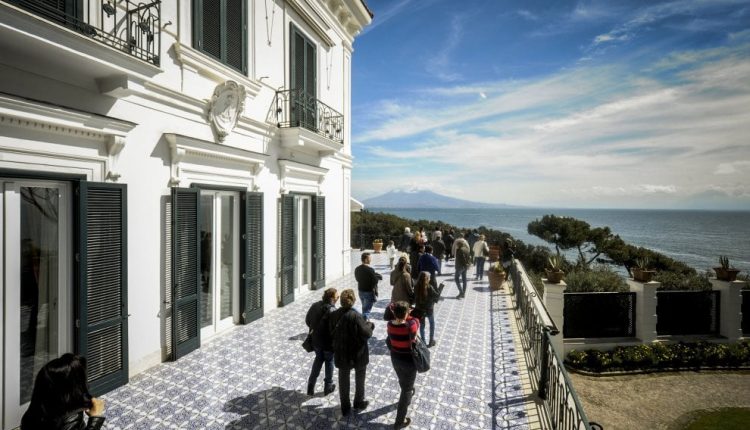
(431, 317)
(462, 274)
(320, 358)
(407, 374)
(480, 267)
(368, 299)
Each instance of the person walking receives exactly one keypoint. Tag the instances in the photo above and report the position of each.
(349, 334)
(463, 261)
(406, 240)
(438, 250)
(317, 321)
(481, 251)
(391, 252)
(403, 289)
(449, 239)
(416, 253)
(428, 263)
(426, 296)
(367, 284)
(402, 333)
(472, 237)
(61, 397)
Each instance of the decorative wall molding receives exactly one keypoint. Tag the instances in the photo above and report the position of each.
(300, 177)
(318, 25)
(225, 108)
(57, 120)
(302, 139)
(213, 69)
(209, 159)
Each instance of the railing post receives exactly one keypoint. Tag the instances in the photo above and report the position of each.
(554, 301)
(544, 371)
(645, 309)
(730, 308)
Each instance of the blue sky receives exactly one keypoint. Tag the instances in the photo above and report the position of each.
(556, 103)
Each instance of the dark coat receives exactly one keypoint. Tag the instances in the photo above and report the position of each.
(427, 304)
(72, 421)
(349, 332)
(317, 320)
(406, 239)
(438, 248)
(449, 244)
(367, 278)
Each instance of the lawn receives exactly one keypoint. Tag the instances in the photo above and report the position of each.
(715, 419)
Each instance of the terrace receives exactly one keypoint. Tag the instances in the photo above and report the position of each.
(491, 363)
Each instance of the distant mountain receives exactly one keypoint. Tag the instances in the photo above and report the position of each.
(423, 199)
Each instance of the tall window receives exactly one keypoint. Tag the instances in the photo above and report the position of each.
(303, 80)
(220, 30)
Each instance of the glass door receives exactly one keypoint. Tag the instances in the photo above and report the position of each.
(219, 247)
(304, 242)
(36, 283)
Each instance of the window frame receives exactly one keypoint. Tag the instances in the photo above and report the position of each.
(197, 32)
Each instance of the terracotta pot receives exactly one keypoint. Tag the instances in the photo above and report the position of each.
(495, 254)
(723, 274)
(641, 275)
(377, 247)
(496, 279)
(555, 276)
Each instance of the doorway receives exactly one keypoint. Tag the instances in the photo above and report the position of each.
(219, 261)
(303, 233)
(36, 281)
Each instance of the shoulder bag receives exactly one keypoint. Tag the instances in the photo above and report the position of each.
(421, 355)
(307, 344)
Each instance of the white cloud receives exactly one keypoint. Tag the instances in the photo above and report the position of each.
(523, 13)
(732, 167)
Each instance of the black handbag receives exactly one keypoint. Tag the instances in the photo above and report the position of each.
(421, 355)
(307, 344)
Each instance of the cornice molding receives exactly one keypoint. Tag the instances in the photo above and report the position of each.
(213, 69)
(296, 176)
(198, 151)
(317, 25)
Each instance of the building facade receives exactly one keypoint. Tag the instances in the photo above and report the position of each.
(167, 170)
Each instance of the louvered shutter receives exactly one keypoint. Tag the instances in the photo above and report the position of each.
(220, 30)
(252, 257)
(319, 243)
(297, 51)
(185, 271)
(235, 34)
(288, 249)
(102, 326)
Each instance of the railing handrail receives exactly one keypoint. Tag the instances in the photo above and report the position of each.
(599, 292)
(315, 115)
(556, 395)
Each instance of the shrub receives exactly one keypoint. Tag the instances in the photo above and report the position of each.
(598, 279)
(680, 281)
(661, 356)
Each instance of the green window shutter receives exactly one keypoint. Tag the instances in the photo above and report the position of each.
(251, 256)
(220, 30)
(319, 243)
(102, 327)
(185, 271)
(288, 249)
(236, 34)
(311, 65)
(297, 70)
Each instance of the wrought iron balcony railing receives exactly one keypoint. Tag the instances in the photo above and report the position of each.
(133, 28)
(296, 108)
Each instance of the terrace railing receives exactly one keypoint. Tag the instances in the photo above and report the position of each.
(687, 312)
(130, 27)
(746, 312)
(599, 315)
(547, 370)
(296, 108)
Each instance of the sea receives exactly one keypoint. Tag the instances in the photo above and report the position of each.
(695, 237)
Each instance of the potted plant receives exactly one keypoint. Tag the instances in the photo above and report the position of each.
(377, 245)
(726, 272)
(642, 272)
(496, 275)
(555, 273)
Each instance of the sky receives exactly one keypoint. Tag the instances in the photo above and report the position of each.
(587, 104)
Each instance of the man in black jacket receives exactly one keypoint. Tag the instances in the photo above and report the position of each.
(367, 284)
(317, 321)
(349, 332)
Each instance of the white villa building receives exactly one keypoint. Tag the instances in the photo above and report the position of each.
(168, 169)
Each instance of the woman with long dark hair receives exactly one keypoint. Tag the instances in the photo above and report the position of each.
(426, 296)
(61, 397)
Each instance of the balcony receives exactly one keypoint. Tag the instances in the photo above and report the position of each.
(296, 108)
(129, 27)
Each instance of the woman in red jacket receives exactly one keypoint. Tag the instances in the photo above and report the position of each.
(402, 333)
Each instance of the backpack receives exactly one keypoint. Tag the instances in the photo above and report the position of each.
(463, 258)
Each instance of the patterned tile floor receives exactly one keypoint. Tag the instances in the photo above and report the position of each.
(254, 376)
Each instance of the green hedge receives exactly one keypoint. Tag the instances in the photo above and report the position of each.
(661, 356)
